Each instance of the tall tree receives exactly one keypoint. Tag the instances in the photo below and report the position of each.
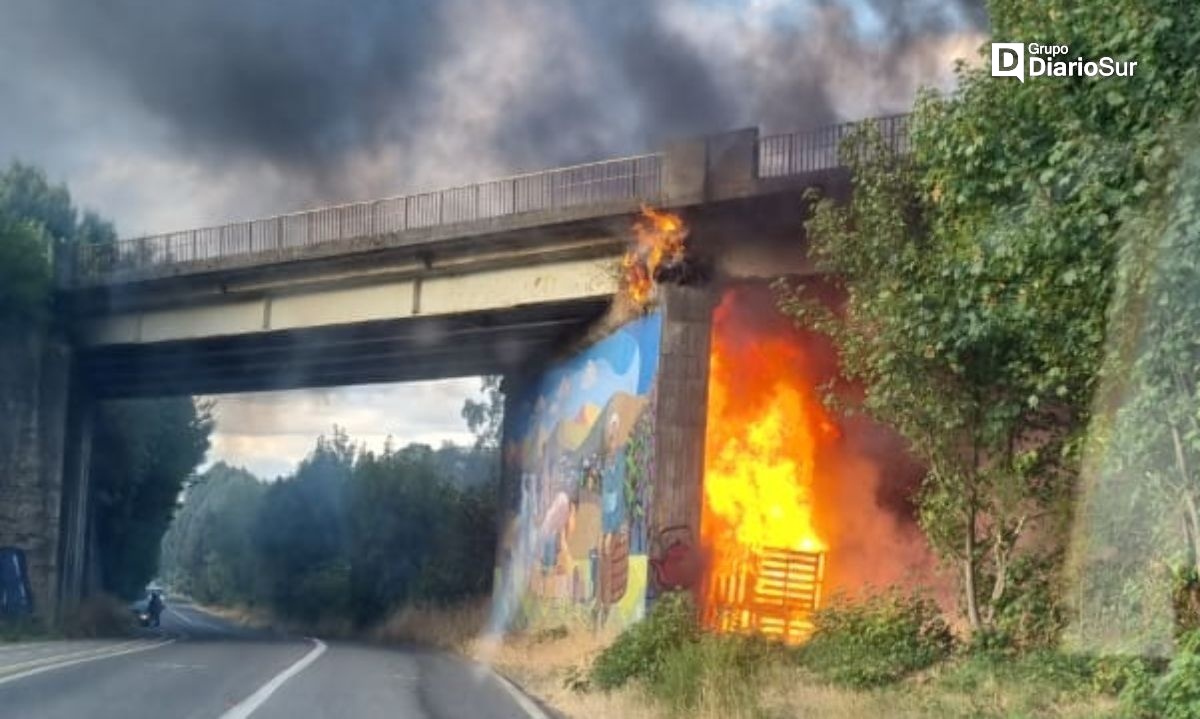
(977, 269)
(485, 417)
(142, 451)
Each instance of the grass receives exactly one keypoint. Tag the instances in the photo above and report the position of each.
(744, 678)
(453, 628)
(747, 678)
(97, 616)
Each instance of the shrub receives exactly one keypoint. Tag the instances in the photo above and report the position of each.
(641, 650)
(1112, 674)
(1176, 694)
(877, 640)
(1185, 599)
(1029, 616)
(101, 615)
(718, 672)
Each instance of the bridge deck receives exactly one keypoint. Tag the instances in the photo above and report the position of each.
(579, 192)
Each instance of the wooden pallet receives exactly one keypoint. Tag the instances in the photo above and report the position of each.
(772, 593)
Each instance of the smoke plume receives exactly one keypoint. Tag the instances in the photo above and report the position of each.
(235, 107)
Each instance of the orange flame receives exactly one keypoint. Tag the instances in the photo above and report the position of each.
(765, 426)
(659, 240)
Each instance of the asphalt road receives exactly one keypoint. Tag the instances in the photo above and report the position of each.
(197, 666)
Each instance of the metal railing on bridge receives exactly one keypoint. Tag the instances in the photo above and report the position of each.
(796, 153)
(632, 179)
(637, 178)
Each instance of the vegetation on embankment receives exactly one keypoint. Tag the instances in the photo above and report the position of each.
(888, 655)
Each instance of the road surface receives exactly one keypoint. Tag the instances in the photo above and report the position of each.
(197, 666)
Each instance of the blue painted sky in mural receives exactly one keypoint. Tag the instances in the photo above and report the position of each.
(625, 361)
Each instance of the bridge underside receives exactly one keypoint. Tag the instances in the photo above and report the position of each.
(394, 350)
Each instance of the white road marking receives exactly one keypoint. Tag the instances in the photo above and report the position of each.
(526, 704)
(52, 658)
(247, 706)
(181, 616)
(82, 660)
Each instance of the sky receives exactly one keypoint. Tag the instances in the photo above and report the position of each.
(172, 114)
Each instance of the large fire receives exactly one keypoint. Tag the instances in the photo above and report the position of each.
(764, 430)
(659, 238)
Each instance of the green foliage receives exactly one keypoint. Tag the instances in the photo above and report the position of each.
(142, 452)
(643, 650)
(1112, 674)
(1146, 491)
(26, 194)
(719, 671)
(24, 272)
(978, 269)
(208, 552)
(1174, 695)
(351, 535)
(875, 641)
(485, 419)
(1031, 615)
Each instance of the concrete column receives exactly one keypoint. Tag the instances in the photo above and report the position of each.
(712, 168)
(34, 372)
(76, 496)
(681, 409)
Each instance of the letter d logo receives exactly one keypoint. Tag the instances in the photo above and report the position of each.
(1008, 60)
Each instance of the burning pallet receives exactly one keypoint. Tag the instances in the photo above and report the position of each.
(773, 592)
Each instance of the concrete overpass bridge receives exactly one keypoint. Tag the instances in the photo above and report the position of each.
(486, 278)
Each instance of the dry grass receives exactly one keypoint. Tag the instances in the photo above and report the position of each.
(240, 614)
(453, 628)
(101, 615)
(546, 664)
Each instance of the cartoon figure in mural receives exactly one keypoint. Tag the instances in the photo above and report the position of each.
(613, 571)
(585, 435)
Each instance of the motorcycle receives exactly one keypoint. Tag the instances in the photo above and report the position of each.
(143, 616)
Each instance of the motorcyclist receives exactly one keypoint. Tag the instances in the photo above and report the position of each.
(155, 607)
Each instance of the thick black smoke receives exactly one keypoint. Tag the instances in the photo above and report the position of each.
(377, 96)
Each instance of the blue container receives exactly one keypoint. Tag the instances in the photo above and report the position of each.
(16, 597)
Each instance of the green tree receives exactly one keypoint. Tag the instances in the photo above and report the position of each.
(208, 551)
(485, 418)
(977, 270)
(301, 534)
(143, 450)
(24, 272)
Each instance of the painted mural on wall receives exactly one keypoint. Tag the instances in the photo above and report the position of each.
(581, 442)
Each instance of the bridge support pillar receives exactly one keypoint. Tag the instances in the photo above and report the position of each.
(76, 496)
(34, 394)
(682, 410)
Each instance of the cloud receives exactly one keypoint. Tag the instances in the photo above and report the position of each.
(268, 433)
(590, 375)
